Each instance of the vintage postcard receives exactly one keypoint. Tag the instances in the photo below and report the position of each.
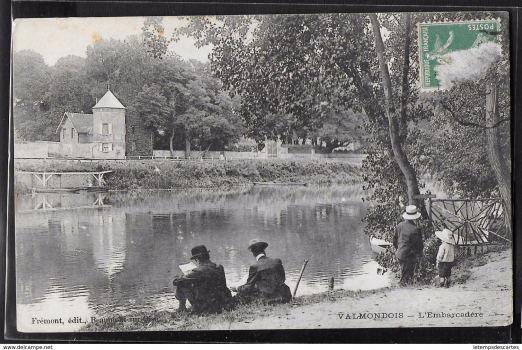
(254, 172)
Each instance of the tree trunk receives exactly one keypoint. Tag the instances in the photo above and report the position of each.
(502, 174)
(405, 69)
(171, 144)
(393, 123)
(187, 147)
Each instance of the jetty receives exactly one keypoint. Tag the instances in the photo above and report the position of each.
(43, 178)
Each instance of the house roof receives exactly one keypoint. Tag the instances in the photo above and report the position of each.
(109, 101)
(81, 122)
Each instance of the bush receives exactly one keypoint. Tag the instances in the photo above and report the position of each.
(425, 270)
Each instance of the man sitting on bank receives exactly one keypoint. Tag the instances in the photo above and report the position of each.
(266, 278)
(205, 287)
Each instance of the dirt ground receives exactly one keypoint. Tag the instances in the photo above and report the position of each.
(485, 299)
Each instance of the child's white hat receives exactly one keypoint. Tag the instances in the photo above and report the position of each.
(446, 236)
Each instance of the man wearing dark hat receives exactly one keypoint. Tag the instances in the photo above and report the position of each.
(205, 287)
(266, 278)
(408, 242)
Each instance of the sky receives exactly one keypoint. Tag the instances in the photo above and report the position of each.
(54, 38)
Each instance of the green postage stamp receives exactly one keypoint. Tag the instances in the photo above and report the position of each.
(443, 44)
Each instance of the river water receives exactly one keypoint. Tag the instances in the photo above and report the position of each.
(92, 254)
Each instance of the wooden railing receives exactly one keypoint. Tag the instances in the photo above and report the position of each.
(474, 222)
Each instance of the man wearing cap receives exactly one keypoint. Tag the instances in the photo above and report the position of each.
(205, 287)
(408, 242)
(266, 278)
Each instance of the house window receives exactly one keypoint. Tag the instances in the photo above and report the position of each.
(64, 133)
(105, 129)
(72, 133)
(107, 147)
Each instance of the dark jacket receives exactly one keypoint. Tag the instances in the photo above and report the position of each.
(407, 240)
(267, 277)
(207, 287)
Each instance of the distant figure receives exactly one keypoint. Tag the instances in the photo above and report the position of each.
(204, 287)
(408, 242)
(445, 257)
(266, 278)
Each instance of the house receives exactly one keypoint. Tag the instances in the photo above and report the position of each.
(100, 135)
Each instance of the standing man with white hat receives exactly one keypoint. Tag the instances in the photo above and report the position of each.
(408, 242)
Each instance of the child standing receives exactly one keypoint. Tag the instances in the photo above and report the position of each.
(445, 257)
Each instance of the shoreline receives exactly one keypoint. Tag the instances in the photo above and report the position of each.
(480, 296)
(191, 174)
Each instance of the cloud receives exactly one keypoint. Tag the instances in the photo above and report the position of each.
(466, 65)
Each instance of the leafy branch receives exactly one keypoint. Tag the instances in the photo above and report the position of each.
(467, 123)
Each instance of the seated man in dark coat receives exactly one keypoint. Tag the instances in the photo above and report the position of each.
(205, 287)
(266, 278)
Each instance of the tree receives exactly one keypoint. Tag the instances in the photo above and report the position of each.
(68, 91)
(31, 78)
(210, 120)
(470, 157)
(103, 62)
(264, 70)
(153, 107)
(340, 128)
(470, 130)
(153, 37)
(311, 65)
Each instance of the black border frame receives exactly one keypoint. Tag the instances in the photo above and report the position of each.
(42, 9)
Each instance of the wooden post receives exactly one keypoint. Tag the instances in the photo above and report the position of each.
(429, 209)
(331, 282)
(299, 278)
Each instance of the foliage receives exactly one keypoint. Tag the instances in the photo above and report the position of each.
(168, 174)
(152, 107)
(340, 128)
(154, 38)
(210, 120)
(435, 143)
(459, 152)
(31, 77)
(286, 68)
(163, 95)
(312, 67)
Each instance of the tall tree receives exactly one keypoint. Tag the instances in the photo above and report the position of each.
(395, 117)
(310, 66)
(31, 78)
(210, 120)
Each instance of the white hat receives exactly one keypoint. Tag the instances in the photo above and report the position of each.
(446, 236)
(411, 213)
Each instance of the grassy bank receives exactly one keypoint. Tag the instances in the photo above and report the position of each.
(468, 275)
(166, 320)
(167, 174)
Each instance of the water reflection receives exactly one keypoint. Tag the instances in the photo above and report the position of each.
(121, 254)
